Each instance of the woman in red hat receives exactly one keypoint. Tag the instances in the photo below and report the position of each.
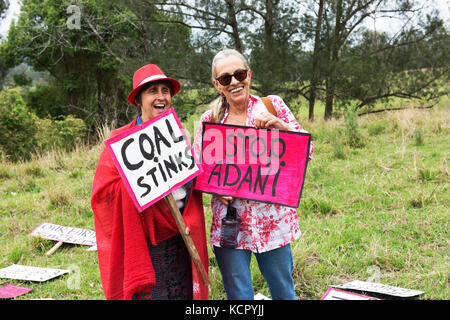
(142, 255)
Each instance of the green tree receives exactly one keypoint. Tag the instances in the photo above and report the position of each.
(4, 5)
(356, 65)
(91, 49)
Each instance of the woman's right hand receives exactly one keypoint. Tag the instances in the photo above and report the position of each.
(226, 200)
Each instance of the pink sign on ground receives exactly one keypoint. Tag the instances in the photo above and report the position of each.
(257, 164)
(11, 291)
(153, 158)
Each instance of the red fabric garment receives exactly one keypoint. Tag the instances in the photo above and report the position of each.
(122, 233)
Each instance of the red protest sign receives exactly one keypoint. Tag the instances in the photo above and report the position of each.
(257, 164)
(153, 158)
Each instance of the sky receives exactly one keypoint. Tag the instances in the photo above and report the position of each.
(380, 24)
(13, 11)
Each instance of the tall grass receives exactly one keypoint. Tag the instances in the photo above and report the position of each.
(377, 211)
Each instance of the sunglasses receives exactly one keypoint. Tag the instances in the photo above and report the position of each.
(240, 75)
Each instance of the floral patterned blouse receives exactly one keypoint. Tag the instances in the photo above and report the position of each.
(263, 226)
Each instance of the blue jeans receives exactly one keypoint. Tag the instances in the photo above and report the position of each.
(276, 266)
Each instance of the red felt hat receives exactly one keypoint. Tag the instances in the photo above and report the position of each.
(146, 74)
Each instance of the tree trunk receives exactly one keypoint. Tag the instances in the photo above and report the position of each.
(267, 79)
(315, 61)
(234, 25)
(331, 79)
(329, 99)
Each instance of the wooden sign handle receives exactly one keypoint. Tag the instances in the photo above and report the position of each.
(55, 247)
(187, 239)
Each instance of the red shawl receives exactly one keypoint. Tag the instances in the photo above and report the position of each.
(122, 233)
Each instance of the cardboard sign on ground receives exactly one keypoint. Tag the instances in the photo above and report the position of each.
(11, 291)
(72, 235)
(379, 288)
(29, 273)
(335, 294)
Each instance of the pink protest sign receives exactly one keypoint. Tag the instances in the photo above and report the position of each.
(153, 158)
(257, 164)
(11, 291)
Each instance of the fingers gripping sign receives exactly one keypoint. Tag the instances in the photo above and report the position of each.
(266, 120)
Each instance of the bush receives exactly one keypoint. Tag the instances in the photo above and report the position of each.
(18, 126)
(353, 135)
(60, 134)
(23, 134)
(45, 100)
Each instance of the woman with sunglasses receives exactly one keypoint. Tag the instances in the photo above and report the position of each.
(266, 230)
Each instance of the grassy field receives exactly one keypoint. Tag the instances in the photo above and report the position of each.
(375, 206)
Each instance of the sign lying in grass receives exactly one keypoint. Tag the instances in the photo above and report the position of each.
(335, 294)
(257, 164)
(379, 288)
(153, 158)
(11, 291)
(28, 273)
(72, 235)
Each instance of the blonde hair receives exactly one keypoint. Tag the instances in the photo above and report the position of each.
(219, 105)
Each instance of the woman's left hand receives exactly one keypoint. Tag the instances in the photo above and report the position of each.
(266, 120)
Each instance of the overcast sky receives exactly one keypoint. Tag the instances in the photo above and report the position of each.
(381, 24)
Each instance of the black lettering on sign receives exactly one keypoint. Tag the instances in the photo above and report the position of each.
(152, 173)
(246, 138)
(162, 172)
(280, 142)
(258, 181)
(147, 155)
(169, 127)
(188, 155)
(231, 139)
(144, 185)
(179, 161)
(247, 178)
(227, 171)
(214, 173)
(252, 147)
(129, 165)
(158, 139)
(275, 180)
(170, 165)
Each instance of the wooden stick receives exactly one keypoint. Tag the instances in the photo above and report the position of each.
(187, 239)
(55, 247)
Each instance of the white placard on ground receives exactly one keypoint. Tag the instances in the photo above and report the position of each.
(65, 234)
(379, 288)
(335, 294)
(29, 273)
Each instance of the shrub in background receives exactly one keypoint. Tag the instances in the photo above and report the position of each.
(18, 126)
(353, 135)
(23, 134)
(45, 100)
(59, 134)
